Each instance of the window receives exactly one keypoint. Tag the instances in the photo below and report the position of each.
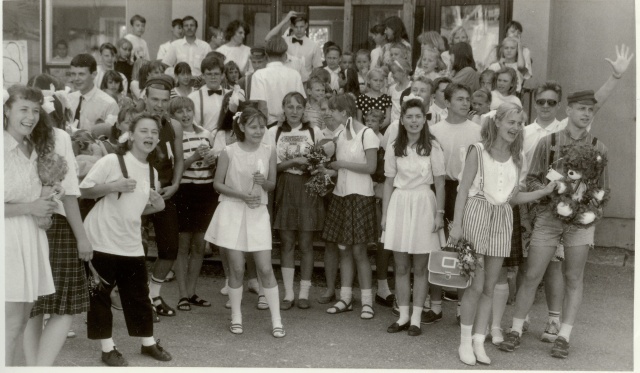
(21, 41)
(479, 22)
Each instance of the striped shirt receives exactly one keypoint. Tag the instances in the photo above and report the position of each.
(198, 172)
(536, 178)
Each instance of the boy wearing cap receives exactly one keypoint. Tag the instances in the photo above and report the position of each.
(272, 83)
(208, 99)
(170, 168)
(258, 60)
(548, 231)
(299, 44)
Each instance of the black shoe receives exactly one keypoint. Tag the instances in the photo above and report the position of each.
(395, 327)
(414, 331)
(395, 310)
(511, 342)
(560, 348)
(387, 302)
(114, 358)
(450, 296)
(156, 351)
(429, 317)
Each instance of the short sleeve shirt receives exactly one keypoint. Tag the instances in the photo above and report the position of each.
(414, 170)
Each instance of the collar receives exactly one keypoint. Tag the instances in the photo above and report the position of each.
(275, 63)
(185, 42)
(89, 95)
(9, 142)
(550, 128)
(333, 71)
(568, 133)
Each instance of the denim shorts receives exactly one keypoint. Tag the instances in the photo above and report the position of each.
(550, 231)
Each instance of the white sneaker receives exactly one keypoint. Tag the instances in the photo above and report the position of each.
(550, 333)
(466, 354)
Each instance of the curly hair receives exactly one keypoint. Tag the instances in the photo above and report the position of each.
(42, 135)
(233, 27)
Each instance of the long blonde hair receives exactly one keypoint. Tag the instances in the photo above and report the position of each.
(490, 131)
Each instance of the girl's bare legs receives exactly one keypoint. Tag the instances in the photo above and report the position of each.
(16, 318)
(41, 347)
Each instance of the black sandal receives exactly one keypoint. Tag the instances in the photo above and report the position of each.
(197, 301)
(183, 304)
(163, 309)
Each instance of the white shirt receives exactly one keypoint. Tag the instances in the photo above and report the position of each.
(395, 94)
(239, 55)
(309, 51)
(211, 108)
(191, 53)
(353, 150)
(113, 225)
(163, 50)
(454, 140)
(391, 133)
(335, 78)
(272, 83)
(64, 148)
(437, 114)
(500, 179)
(96, 104)
(376, 53)
(298, 65)
(498, 99)
(140, 48)
(532, 135)
(413, 170)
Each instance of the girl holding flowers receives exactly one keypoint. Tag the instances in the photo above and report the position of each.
(298, 213)
(483, 216)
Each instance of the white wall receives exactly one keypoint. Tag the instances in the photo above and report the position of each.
(158, 16)
(534, 17)
(194, 8)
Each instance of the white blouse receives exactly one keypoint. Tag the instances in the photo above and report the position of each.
(500, 178)
(413, 170)
(350, 182)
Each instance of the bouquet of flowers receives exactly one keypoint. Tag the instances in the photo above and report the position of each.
(467, 259)
(578, 200)
(319, 183)
(51, 170)
(95, 282)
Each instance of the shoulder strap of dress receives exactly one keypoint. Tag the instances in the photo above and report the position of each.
(478, 147)
(123, 169)
(201, 108)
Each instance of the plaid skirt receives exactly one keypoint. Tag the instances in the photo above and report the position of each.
(72, 294)
(296, 209)
(515, 257)
(351, 220)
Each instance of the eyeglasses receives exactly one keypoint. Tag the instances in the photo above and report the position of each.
(542, 101)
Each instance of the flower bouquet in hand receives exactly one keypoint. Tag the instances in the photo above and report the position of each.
(52, 169)
(95, 282)
(320, 183)
(467, 258)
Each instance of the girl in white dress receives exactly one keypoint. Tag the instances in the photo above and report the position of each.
(27, 136)
(412, 217)
(246, 171)
(483, 216)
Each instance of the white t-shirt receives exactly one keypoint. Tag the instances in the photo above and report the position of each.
(454, 140)
(272, 83)
(395, 92)
(290, 144)
(64, 148)
(498, 99)
(113, 225)
(211, 108)
(353, 151)
(239, 55)
(140, 48)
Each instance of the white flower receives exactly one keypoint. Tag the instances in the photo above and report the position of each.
(564, 209)
(587, 217)
(123, 138)
(111, 119)
(574, 175)
(598, 194)
(599, 158)
(561, 187)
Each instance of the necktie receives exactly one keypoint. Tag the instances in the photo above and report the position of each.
(294, 40)
(77, 115)
(216, 91)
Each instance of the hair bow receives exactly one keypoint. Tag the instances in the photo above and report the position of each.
(411, 96)
(237, 115)
(123, 138)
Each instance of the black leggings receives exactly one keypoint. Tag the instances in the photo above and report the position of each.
(130, 275)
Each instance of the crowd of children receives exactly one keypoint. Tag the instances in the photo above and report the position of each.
(219, 148)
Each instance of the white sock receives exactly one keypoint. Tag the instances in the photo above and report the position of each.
(427, 302)
(436, 306)
(273, 299)
(500, 298)
(366, 296)
(516, 325)
(565, 331)
(305, 285)
(478, 348)
(107, 345)
(346, 294)
(416, 316)
(383, 289)
(154, 287)
(554, 316)
(465, 334)
(235, 296)
(148, 341)
(287, 278)
(404, 315)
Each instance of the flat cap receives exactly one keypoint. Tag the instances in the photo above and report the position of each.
(582, 97)
(164, 82)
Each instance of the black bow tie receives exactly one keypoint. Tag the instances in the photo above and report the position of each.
(216, 91)
(294, 40)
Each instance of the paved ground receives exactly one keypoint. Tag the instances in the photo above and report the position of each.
(602, 340)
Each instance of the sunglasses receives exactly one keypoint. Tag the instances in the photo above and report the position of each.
(542, 101)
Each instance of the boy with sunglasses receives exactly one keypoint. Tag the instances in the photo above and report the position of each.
(547, 98)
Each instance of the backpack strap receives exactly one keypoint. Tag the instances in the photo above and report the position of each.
(201, 107)
(278, 132)
(248, 86)
(594, 142)
(152, 181)
(312, 134)
(123, 169)
(552, 153)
